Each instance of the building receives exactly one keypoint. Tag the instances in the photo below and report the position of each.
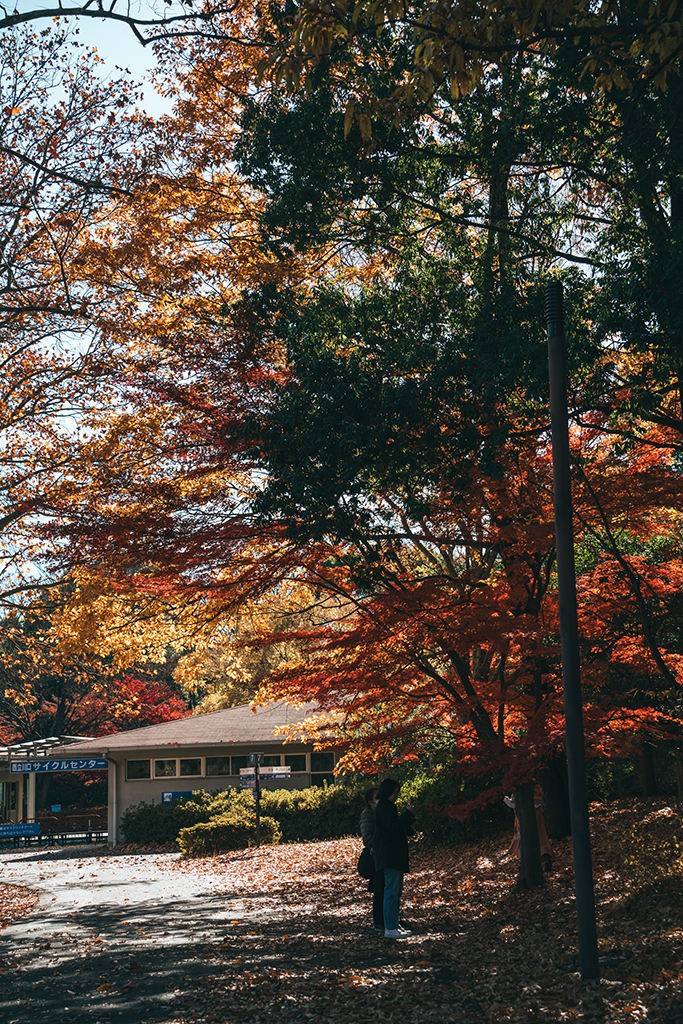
(159, 762)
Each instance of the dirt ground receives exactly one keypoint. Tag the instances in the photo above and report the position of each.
(283, 933)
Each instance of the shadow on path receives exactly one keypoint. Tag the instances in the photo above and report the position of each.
(113, 939)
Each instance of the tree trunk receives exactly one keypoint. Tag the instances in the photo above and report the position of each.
(553, 779)
(530, 868)
(646, 765)
(679, 774)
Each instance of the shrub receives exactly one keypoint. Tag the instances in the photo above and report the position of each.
(321, 812)
(612, 779)
(327, 812)
(619, 777)
(235, 829)
(161, 823)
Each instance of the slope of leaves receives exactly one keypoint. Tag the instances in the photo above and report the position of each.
(15, 902)
(479, 953)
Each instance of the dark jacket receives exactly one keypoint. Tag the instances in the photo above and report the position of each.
(390, 842)
(367, 826)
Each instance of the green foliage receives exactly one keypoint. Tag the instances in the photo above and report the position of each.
(321, 812)
(617, 778)
(235, 829)
(326, 812)
(161, 823)
(657, 548)
(434, 794)
(370, 407)
(610, 779)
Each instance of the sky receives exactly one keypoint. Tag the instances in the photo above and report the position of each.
(117, 46)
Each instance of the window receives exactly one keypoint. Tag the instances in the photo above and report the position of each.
(241, 761)
(271, 761)
(322, 764)
(218, 765)
(297, 762)
(173, 767)
(137, 769)
(322, 761)
(164, 769)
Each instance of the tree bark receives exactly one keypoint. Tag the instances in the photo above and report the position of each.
(530, 867)
(553, 779)
(679, 774)
(646, 765)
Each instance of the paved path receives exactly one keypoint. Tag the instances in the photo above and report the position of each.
(113, 937)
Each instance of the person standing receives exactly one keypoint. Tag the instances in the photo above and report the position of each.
(390, 851)
(376, 882)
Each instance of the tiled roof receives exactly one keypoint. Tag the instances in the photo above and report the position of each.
(231, 726)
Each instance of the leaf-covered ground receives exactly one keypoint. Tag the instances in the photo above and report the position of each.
(479, 953)
(15, 902)
(300, 945)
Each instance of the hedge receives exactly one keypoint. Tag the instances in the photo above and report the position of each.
(327, 812)
(233, 830)
(321, 812)
(161, 823)
(318, 813)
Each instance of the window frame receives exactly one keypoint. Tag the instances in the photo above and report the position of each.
(322, 771)
(165, 760)
(139, 778)
(299, 771)
(284, 759)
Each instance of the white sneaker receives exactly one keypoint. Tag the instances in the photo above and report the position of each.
(397, 933)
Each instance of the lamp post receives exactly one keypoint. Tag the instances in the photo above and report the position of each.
(569, 635)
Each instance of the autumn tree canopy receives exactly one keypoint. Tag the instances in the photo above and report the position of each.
(72, 148)
(65, 139)
(47, 693)
(328, 372)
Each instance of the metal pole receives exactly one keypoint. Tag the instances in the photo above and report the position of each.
(257, 794)
(569, 636)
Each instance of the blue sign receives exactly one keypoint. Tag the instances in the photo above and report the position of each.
(167, 797)
(56, 808)
(83, 764)
(20, 830)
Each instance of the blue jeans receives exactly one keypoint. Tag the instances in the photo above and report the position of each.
(393, 887)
